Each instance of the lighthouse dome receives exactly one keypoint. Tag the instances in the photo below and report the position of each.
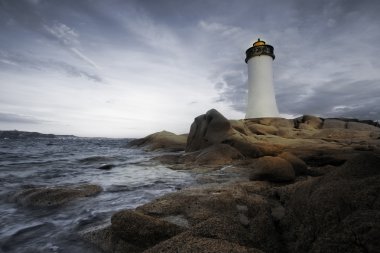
(259, 43)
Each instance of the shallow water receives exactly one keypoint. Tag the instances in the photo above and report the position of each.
(66, 161)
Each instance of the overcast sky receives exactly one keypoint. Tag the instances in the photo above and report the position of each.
(129, 68)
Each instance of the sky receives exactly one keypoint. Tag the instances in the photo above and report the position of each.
(130, 68)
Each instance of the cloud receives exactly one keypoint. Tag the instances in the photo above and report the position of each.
(18, 118)
(28, 15)
(69, 39)
(215, 27)
(360, 99)
(232, 89)
(17, 60)
(169, 61)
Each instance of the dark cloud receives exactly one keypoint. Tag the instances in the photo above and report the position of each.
(326, 60)
(233, 90)
(17, 118)
(337, 98)
(326, 52)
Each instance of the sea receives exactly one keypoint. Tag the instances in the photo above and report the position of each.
(51, 162)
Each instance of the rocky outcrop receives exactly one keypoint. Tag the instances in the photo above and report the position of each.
(299, 166)
(304, 142)
(303, 185)
(217, 154)
(339, 212)
(208, 129)
(52, 197)
(142, 230)
(336, 212)
(185, 243)
(161, 141)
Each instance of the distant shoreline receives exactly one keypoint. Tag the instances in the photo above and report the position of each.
(15, 134)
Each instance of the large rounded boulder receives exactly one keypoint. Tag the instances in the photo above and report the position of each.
(273, 169)
(208, 129)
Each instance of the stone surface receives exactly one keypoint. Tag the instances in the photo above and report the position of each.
(338, 212)
(361, 126)
(299, 166)
(161, 141)
(185, 243)
(104, 238)
(320, 191)
(52, 197)
(260, 129)
(312, 121)
(207, 129)
(333, 123)
(274, 169)
(142, 230)
(218, 154)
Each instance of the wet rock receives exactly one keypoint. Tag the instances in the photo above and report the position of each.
(54, 196)
(95, 159)
(106, 167)
(104, 238)
(273, 169)
(161, 141)
(197, 204)
(142, 230)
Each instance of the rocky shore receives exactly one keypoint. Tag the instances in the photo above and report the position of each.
(302, 185)
(264, 185)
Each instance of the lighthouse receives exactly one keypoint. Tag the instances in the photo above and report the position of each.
(261, 97)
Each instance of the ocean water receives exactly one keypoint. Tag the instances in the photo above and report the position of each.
(133, 181)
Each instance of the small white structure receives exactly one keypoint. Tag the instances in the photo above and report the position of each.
(261, 97)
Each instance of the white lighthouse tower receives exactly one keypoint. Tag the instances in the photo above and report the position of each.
(261, 97)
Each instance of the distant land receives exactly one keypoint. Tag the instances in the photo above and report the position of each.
(15, 134)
